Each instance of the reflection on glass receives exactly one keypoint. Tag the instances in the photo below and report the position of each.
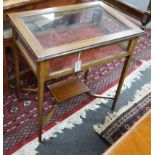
(60, 64)
(55, 29)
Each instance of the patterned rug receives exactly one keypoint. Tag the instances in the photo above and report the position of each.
(20, 116)
(116, 124)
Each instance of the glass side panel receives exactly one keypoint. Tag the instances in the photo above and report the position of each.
(65, 63)
(57, 28)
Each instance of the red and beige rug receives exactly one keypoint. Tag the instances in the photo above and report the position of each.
(20, 116)
(117, 123)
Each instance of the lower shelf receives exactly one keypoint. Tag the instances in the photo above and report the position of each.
(67, 88)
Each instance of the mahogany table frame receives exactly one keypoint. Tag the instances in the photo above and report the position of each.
(10, 6)
(40, 67)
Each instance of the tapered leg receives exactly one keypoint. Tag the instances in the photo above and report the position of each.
(17, 74)
(122, 78)
(5, 74)
(131, 48)
(40, 99)
(40, 108)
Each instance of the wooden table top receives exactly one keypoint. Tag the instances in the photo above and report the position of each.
(137, 141)
(64, 14)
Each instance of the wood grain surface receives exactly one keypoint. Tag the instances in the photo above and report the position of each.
(137, 141)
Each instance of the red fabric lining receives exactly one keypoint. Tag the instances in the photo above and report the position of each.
(88, 56)
(59, 38)
(52, 39)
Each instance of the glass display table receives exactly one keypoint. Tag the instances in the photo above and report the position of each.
(63, 40)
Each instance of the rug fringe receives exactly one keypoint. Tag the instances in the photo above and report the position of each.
(77, 117)
(113, 116)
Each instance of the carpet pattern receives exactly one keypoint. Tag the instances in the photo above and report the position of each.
(124, 122)
(20, 116)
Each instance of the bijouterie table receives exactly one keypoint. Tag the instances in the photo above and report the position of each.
(65, 40)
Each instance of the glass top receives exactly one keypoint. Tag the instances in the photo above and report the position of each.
(53, 29)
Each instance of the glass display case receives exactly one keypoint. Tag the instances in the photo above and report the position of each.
(63, 40)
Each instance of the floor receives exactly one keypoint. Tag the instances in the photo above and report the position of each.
(142, 129)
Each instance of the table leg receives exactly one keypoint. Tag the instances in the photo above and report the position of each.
(122, 78)
(40, 99)
(16, 60)
(17, 75)
(5, 74)
(131, 48)
(40, 108)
